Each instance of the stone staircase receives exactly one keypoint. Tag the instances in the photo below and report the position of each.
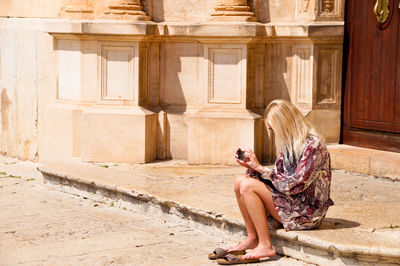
(362, 228)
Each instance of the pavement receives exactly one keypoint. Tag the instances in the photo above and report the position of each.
(362, 228)
(40, 225)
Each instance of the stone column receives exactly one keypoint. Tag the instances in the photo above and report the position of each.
(125, 9)
(77, 9)
(232, 10)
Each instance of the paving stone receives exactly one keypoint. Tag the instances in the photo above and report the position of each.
(40, 225)
(363, 224)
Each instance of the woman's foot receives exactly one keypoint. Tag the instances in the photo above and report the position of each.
(249, 243)
(260, 252)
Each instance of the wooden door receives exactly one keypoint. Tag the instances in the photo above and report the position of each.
(371, 113)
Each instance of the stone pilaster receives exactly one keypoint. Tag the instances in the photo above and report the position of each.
(125, 9)
(224, 123)
(77, 9)
(232, 10)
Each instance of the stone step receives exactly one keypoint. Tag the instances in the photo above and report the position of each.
(363, 227)
(366, 161)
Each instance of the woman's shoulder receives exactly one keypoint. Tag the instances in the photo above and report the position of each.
(315, 142)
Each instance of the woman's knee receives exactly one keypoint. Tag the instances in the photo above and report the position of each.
(247, 186)
(236, 185)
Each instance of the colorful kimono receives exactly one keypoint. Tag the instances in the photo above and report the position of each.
(301, 188)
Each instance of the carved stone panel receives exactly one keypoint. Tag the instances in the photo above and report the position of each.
(328, 77)
(225, 74)
(278, 75)
(119, 73)
(306, 9)
(303, 69)
(331, 9)
(69, 69)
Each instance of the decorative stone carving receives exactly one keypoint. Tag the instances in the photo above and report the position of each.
(226, 74)
(124, 73)
(328, 6)
(119, 71)
(233, 10)
(303, 72)
(331, 9)
(78, 9)
(305, 9)
(125, 9)
(328, 77)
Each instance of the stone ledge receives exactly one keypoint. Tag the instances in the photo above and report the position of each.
(184, 29)
(366, 161)
(347, 244)
(106, 27)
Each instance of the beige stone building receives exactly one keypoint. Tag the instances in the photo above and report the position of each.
(135, 81)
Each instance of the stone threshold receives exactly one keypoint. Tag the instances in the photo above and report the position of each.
(377, 163)
(188, 197)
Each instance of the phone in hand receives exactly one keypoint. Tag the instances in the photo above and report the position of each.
(240, 154)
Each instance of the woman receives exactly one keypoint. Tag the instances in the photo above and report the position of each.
(295, 193)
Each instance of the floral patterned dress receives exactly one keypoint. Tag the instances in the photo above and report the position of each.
(301, 189)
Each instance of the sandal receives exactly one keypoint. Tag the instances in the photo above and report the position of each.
(219, 253)
(231, 259)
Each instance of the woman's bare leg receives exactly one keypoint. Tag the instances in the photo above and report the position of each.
(258, 199)
(252, 240)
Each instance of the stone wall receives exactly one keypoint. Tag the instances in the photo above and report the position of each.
(265, 11)
(27, 80)
(143, 80)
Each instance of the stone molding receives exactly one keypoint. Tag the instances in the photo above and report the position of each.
(125, 10)
(232, 10)
(206, 30)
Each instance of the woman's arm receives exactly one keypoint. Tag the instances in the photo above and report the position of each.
(312, 162)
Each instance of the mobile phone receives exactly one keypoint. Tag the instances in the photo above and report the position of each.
(240, 154)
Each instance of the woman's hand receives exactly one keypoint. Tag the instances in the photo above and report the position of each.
(241, 162)
(251, 162)
(250, 159)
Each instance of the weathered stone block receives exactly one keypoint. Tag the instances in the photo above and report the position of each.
(215, 136)
(62, 132)
(119, 135)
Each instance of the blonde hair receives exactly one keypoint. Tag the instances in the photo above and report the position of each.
(290, 128)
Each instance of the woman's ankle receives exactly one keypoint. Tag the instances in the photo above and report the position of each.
(265, 245)
(251, 238)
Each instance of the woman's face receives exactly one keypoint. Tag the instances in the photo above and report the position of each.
(269, 127)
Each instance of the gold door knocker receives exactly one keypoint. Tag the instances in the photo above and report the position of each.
(381, 10)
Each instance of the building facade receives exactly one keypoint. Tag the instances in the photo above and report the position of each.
(137, 81)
